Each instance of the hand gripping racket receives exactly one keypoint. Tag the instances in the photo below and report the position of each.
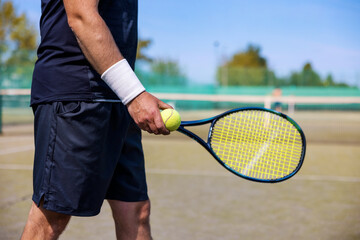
(257, 144)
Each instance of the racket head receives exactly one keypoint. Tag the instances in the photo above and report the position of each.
(258, 144)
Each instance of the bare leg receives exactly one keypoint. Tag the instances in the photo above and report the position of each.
(132, 219)
(44, 224)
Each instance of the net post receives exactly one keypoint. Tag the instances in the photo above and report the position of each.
(291, 105)
(267, 102)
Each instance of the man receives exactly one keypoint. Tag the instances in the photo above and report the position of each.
(87, 141)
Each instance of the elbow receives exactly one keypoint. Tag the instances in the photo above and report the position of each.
(83, 22)
(80, 14)
(75, 21)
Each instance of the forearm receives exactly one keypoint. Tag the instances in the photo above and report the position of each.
(93, 35)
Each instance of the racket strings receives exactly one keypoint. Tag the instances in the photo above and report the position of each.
(257, 144)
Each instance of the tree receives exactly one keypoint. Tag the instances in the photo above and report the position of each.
(307, 77)
(143, 45)
(166, 67)
(310, 77)
(18, 38)
(163, 72)
(246, 68)
(249, 68)
(167, 72)
(329, 81)
(250, 58)
(18, 42)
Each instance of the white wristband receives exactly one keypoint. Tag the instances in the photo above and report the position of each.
(122, 80)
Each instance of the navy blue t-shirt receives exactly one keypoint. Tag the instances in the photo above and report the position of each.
(62, 72)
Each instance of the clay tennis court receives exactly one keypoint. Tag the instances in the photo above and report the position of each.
(193, 197)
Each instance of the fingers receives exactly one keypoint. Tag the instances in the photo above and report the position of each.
(153, 123)
(159, 124)
(163, 105)
(144, 109)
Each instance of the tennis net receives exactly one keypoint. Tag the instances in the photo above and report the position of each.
(14, 103)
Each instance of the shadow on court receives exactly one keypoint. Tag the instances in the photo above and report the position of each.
(193, 197)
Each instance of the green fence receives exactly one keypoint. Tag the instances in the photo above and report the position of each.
(13, 107)
(260, 91)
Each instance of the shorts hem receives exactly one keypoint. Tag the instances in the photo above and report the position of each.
(124, 199)
(48, 205)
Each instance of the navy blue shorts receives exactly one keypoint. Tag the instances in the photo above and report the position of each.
(85, 153)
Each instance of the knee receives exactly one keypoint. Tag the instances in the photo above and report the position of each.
(144, 212)
(57, 227)
(55, 222)
(130, 212)
(44, 224)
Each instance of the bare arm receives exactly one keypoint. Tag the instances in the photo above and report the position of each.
(93, 35)
(99, 47)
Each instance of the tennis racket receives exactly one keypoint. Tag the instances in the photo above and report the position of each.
(257, 144)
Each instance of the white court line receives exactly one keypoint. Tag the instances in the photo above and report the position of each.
(15, 167)
(16, 150)
(206, 173)
(327, 178)
(15, 139)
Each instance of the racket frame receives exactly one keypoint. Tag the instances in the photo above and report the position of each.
(214, 119)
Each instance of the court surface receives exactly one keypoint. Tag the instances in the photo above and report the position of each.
(193, 197)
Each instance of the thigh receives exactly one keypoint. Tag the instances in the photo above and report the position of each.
(76, 150)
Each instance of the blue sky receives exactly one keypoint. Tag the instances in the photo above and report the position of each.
(290, 33)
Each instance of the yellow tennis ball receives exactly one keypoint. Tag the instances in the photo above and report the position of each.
(171, 119)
